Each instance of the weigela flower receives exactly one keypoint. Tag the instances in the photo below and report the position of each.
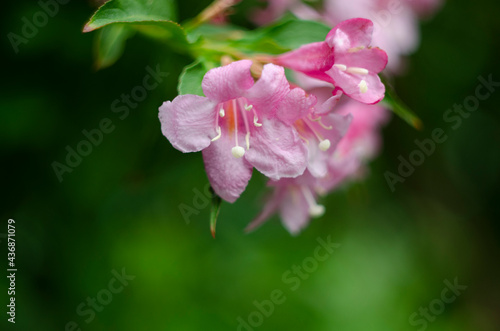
(397, 34)
(236, 128)
(295, 200)
(319, 128)
(344, 59)
(359, 145)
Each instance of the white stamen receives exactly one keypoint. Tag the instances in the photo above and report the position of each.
(320, 123)
(248, 107)
(357, 71)
(325, 127)
(316, 133)
(221, 112)
(363, 87)
(324, 145)
(255, 119)
(341, 67)
(238, 151)
(218, 135)
(316, 210)
(247, 140)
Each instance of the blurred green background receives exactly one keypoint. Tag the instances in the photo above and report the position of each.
(120, 207)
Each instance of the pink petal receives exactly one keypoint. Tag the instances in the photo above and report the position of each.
(270, 208)
(188, 122)
(295, 105)
(340, 124)
(294, 210)
(228, 82)
(363, 137)
(314, 57)
(318, 159)
(227, 175)
(349, 84)
(327, 106)
(308, 83)
(317, 163)
(351, 33)
(372, 59)
(340, 171)
(271, 87)
(276, 150)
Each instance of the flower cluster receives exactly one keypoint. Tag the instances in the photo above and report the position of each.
(396, 21)
(305, 140)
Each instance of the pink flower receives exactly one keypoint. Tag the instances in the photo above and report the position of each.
(235, 127)
(363, 137)
(295, 200)
(360, 144)
(318, 127)
(395, 28)
(344, 59)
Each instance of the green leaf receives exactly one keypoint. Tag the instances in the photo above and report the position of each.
(214, 211)
(216, 32)
(110, 44)
(291, 33)
(190, 79)
(261, 44)
(170, 31)
(129, 11)
(394, 103)
(287, 34)
(150, 17)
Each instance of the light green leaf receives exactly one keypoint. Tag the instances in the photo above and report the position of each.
(190, 79)
(129, 11)
(151, 17)
(216, 32)
(261, 44)
(110, 44)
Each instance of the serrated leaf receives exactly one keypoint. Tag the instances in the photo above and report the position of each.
(110, 44)
(128, 11)
(395, 104)
(214, 211)
(190, 79)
